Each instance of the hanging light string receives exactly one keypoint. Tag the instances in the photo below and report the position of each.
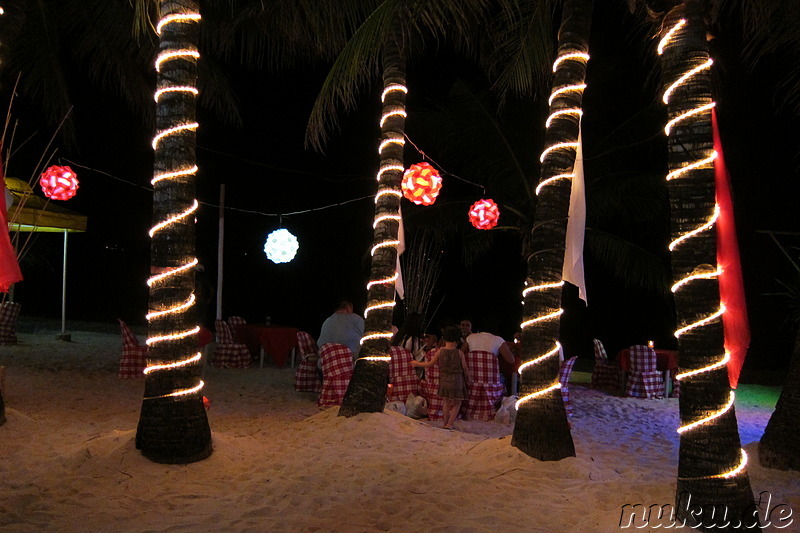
(163, 58)
(388, 140)
(556, 113)
(702, 272)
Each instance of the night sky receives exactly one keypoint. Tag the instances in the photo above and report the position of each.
(267, 170)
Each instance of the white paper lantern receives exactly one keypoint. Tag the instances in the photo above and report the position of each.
(281, 246)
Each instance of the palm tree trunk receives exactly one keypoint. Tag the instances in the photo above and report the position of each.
(710, 467)
(541, 429)
(779, 446)
(366, 392)
(173, 426)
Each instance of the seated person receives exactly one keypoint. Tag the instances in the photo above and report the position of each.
(342, 327)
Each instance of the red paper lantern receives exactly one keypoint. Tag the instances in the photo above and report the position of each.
(484, 214)
(59, 183)
(421, 183)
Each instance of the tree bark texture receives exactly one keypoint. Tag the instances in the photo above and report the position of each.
(541, 429)
(173, 428)
(366, 392)
(712, 448)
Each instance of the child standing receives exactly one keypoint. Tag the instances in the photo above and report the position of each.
(453, 374)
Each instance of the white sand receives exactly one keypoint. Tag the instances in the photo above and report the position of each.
(68, 461)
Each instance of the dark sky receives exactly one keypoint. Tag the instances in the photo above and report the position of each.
(266, 169)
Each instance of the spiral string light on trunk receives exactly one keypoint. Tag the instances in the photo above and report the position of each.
(702, 272)
(164, 57)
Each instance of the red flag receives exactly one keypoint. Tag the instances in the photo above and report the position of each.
(731, 288)
(9, 267)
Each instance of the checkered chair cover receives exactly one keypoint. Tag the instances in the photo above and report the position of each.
(402, 375)
(606, 375)
(306, 377)
(9, 311)
(429, 389)
(486, 389)
(337, 368)
(234, 322)
(227, 353)
(134, 356)
(563, 379)
(644, 381)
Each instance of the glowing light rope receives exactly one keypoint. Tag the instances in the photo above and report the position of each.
(669, 35)
(719, 364)
(679, 172)
(388, 168)
(175, 129)
(696, 275)
(186, 362)
(680, 81)
(558, 146)
(163, 57)
(549, 316)
(550, 180)
(392, 139)
(372, 336)
(181, 392)
(382, 218)
(689, 234)
(383, 192)
(702, 322)
(171, 272)
(175, 174)
(178, 308)
(684, 116)
(176, 89)
(566, 89)
(393, 87)
(383, 281)
(383, 244)
(174, 218)
(716, 414)
(533, 395)
(173, 336)
(376, 358)
(393, 113)
(574, 112)
(572, 56)
(176, 17)
(380, 305)
(539, 359)
(542, 287)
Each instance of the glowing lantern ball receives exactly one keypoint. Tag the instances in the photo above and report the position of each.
(281, 246)
(59, 183)
(484, 214)
(421, 184)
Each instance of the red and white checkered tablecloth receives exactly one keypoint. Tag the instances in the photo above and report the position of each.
(337, 369)
(134, 356)
(486, 389)
(429, 389)
(402, 375)
(306, 377)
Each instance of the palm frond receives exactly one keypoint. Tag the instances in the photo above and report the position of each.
(628, 263)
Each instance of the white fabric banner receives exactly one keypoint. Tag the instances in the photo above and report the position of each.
(401, 236)
(576, 227)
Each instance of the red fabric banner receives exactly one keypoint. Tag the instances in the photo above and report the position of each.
(9, 267)
(731, 288)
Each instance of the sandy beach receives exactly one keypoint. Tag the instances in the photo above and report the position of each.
(280, 464)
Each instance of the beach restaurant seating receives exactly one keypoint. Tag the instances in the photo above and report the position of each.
(307, 378)
(229, 354)
(486, 389)
(644, 380)
(402, 376)
(606, 375)
(337, 369)
(9, 311)
(134, 356)
(429, 389)
(563, 378)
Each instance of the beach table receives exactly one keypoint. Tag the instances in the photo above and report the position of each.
(279, 342)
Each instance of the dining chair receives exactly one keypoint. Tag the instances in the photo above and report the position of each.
(337, 369)
(402, 376)
(9, 311)
(306, 377)
(429, 389)
(227, 353)
(563, 378)
(134, 355)
(644, 379)
(607, 375)
(486, 389)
